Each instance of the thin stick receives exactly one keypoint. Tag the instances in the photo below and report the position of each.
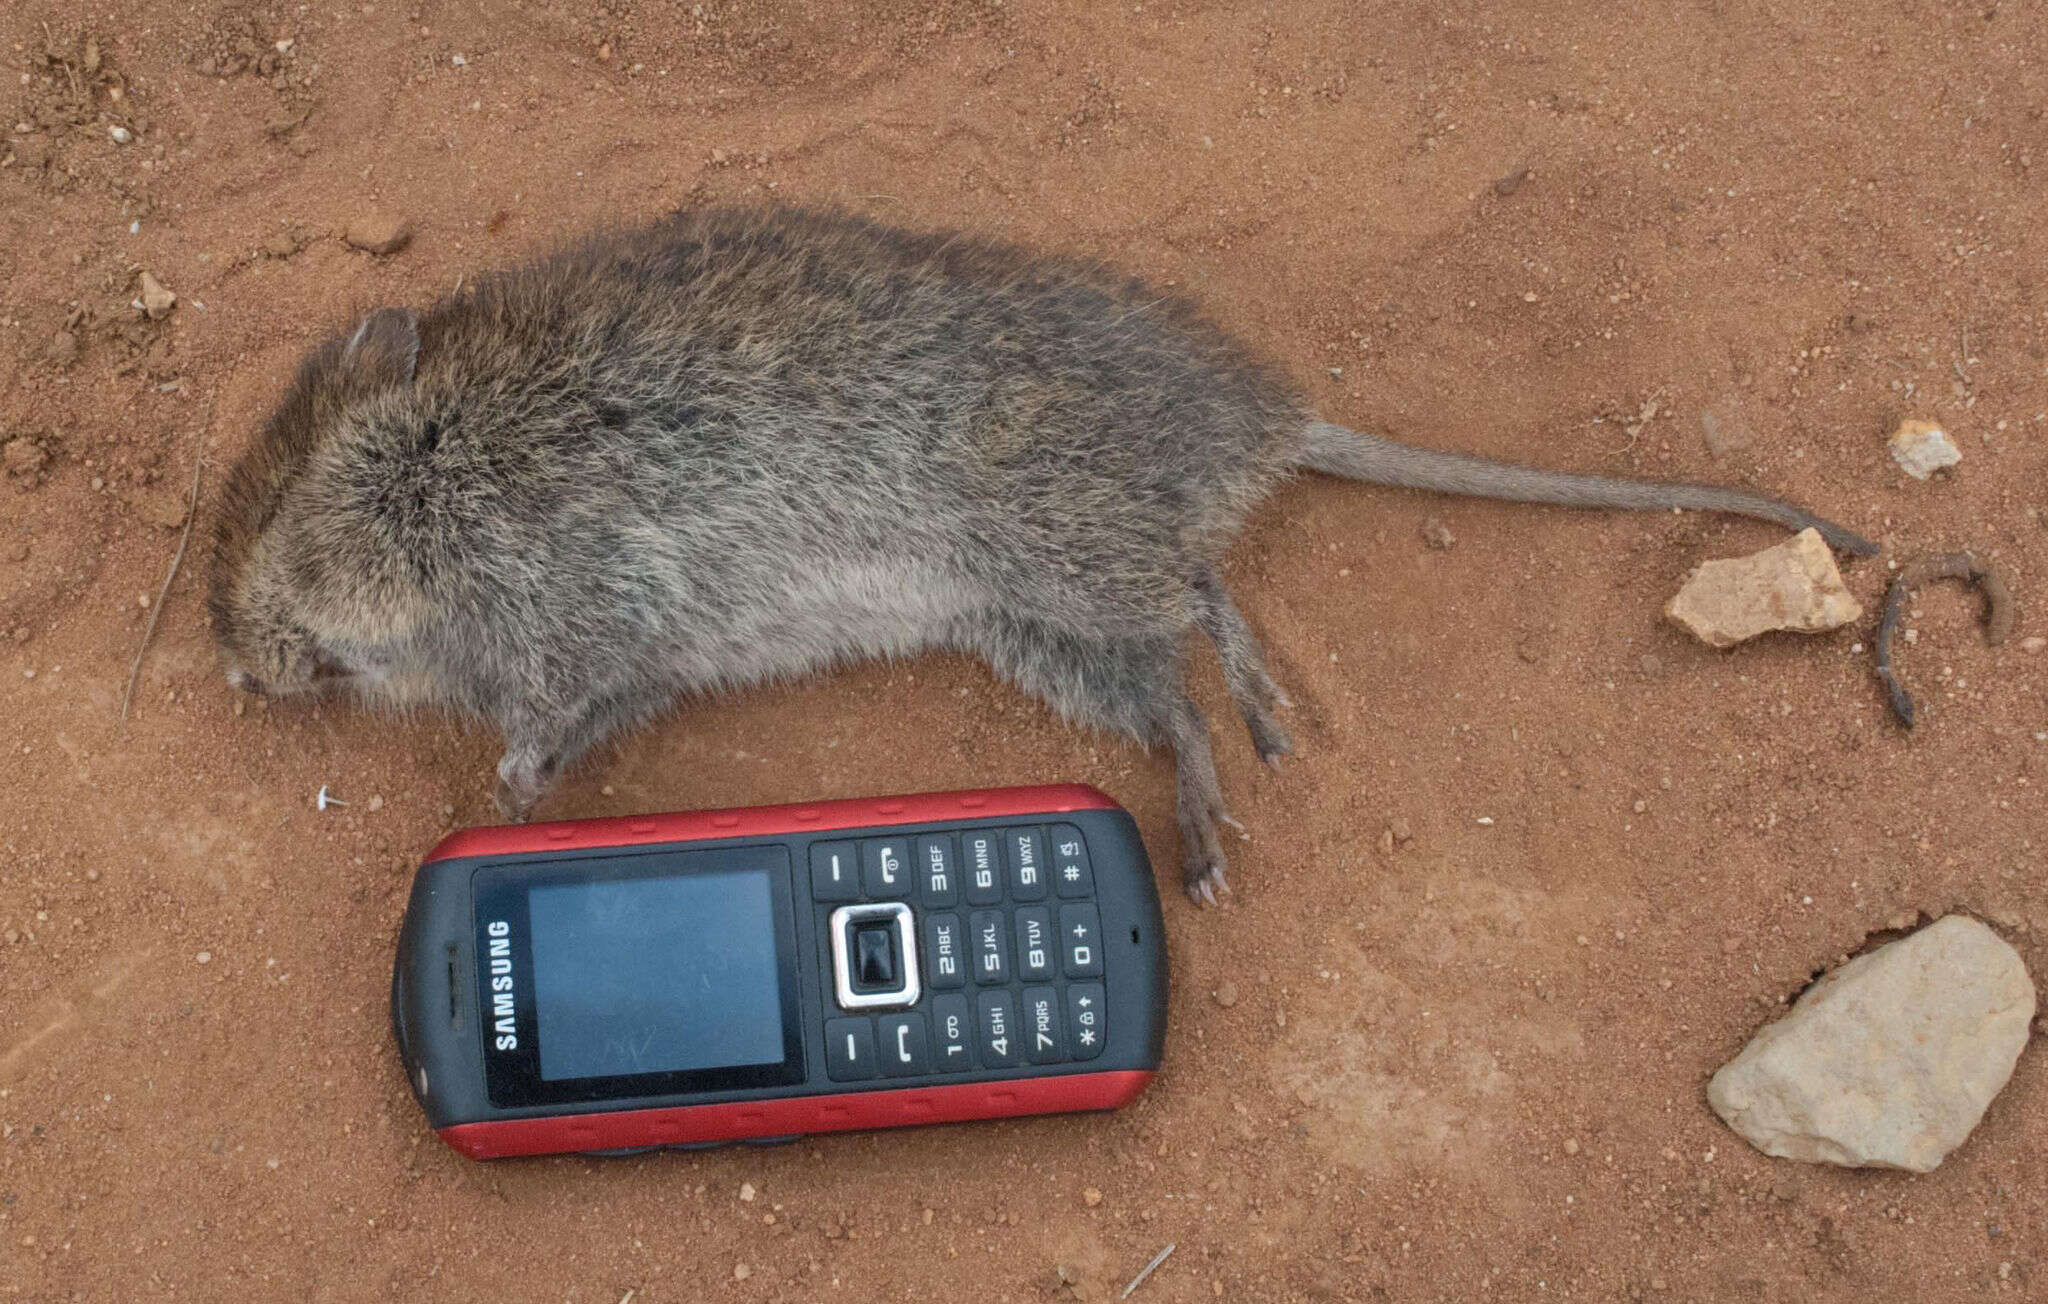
(191, 515)
(1147, 1270)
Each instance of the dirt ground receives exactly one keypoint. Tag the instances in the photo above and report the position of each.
(1542, 863)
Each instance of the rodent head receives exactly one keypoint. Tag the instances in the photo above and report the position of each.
(309, 589)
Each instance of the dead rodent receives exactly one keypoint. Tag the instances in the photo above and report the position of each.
(742, 444)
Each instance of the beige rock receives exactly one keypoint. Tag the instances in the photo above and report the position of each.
(378, 233)
(1889, 1061)
(157, 301)
(1792, 586)
(1921, 448)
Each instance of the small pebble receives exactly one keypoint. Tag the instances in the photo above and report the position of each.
(378, 233)
(1091, 1197)
(204, 957)
(1571, 1145)
(157, 301)
(1921, 448)
(1225, 994)
(121, 135)
(740, 1272)
(2033, 644)
(747, 1192)
(377, 803)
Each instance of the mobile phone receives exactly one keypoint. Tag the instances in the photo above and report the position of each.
(739, 975)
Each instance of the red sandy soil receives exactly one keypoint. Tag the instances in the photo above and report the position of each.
(1463, 1063)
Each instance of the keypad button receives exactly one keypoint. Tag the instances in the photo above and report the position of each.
(1042, 1040)
(953, 1024)
(885, 868)
(1071, 872)
(989, 946)
(1024, 855)
(1087, 1020)
(997, 1033)
(981, 860)
(835, 872)
(849, 1049)
(1035, 943)
(1080, 941)
(945, 951)
(938, 870)
(904, 1050)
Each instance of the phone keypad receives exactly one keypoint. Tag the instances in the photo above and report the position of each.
(1011, 952)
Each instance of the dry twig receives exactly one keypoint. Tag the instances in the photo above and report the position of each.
(155, 612)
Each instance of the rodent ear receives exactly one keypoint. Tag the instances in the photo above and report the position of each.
(386, 347)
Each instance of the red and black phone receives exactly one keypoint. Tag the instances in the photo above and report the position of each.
(750, 975)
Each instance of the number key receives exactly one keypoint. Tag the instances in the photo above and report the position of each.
(954, 1023)
(991, 950)
(1025, 853)
(997, 1029)
(1080, 941)
(981, 855)
(1034, 943)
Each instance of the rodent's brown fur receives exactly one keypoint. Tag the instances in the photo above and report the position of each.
(743, 443)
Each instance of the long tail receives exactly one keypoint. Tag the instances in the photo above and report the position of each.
(1355, 455)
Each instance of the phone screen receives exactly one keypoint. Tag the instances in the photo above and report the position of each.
(637, 975)
(655, 975)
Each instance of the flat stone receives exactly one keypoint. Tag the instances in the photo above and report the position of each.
(1792, 586)
(1889, 1061)
(378, 233)
(1921, 448)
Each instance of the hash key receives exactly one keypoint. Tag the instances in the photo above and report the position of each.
(1071, 872)
(1080, 940)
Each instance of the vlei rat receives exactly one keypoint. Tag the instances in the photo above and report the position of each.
(744, 444)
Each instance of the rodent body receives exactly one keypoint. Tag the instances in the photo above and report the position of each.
(743, 444)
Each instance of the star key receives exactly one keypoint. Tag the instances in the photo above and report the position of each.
(1085, 1019)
